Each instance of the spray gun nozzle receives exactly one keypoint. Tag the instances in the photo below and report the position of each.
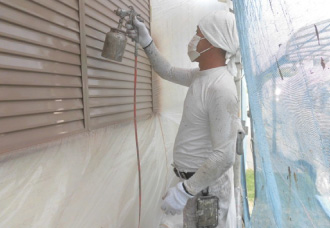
(122, 13)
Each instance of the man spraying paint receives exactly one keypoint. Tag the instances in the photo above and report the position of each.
(204, 149)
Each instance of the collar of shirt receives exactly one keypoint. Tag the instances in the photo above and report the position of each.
(211, 71)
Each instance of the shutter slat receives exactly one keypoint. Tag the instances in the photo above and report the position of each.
(48, 15)
(114, 84)
(140, 8)
(35, 37)
(31, 50)
(16, 108)
(145, 5)
(12, 77)
(18, 123)
(102, 9)
(30, 137)
(23, 63)
(32, 22)
(97, 35)
(71, 3)
(125, 61)
(99, 102)
(119, 117)
(96, 73)
(117, 92)
(108, 19)
(106, 65)
(91, 22)
(59, 8)
(102, 111)
(12, 93)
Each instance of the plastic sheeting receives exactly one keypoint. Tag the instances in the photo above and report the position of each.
(285, 49)
(90, 180)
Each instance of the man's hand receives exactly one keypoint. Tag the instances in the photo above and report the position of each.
(175, 200)
(141, 35)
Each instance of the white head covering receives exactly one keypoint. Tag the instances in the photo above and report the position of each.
(219, 28)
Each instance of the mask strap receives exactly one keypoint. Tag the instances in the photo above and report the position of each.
(203, 38)
(206, 50)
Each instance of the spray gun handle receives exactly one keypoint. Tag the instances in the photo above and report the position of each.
(140, 18)
(130, 25)
(131, 13)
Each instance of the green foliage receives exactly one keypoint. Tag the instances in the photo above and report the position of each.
(250, 187)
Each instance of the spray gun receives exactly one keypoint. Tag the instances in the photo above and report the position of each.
(115, 40)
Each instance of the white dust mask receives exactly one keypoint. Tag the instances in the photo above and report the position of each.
(192, 48)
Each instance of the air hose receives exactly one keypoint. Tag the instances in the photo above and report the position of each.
(136, 133)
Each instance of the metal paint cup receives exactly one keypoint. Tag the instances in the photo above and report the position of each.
(114, 45)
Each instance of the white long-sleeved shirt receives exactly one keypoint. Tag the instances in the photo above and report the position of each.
(206, 139)
(206, 120)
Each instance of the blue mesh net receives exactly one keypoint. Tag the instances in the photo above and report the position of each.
(285, 48)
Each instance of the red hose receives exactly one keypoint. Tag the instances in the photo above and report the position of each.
(137, 141)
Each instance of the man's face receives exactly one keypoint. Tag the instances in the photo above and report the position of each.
(203, 44)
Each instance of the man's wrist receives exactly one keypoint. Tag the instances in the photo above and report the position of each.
(148, 44)
(185, 189)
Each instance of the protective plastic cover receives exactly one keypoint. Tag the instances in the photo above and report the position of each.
(91, 180)
(286, 53)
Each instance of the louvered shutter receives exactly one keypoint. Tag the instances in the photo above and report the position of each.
(53, 80)
(40, 71)
(111, 83)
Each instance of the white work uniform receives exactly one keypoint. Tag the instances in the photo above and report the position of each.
(206, 139)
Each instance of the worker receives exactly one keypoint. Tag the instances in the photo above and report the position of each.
(204, 149)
